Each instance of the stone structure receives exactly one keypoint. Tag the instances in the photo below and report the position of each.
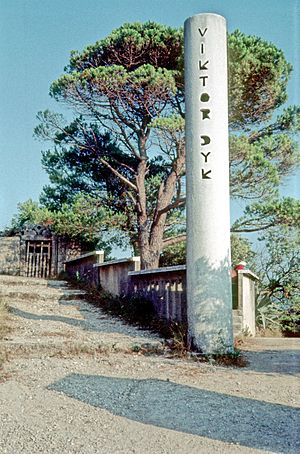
(82, 267)
(209, 296)
(36, 252)
(164, 287)
(113, 275)
(245, 301)
(10, 255)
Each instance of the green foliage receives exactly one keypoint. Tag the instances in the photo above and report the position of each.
(241, 251)
(258, 78)
(85, 220)
(133, 45)
(31, 212)
(257, 167)
(259, 216)
(173, 123)
(127, 148)
(151, 87)
(279, 299)
(173, 255)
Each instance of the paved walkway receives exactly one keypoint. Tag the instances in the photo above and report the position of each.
(73, 385)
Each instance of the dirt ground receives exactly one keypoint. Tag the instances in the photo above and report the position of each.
(72, 384)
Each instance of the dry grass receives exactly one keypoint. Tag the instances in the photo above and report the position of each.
(4, 319)
(267, 332)
(73, 350)
(5, 329)
(139, 312)
(63, 334)
(24, 296)
(62, 350)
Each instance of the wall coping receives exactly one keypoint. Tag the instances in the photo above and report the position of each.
(165, 269)
(83, 256)
(249, 273)
(169, 269)
(116, 262)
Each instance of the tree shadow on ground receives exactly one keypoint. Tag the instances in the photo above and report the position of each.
(210, 304)
(165, 404)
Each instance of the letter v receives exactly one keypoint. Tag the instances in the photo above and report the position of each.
(201, 32)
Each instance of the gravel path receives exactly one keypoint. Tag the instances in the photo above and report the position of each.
(72, 385)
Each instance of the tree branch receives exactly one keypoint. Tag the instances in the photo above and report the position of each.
(173, 240)
(119, 175)
(178, 203)
(249, 230)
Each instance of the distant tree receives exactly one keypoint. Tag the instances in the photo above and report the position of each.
(30, 212)
(279, 268)
(274, 212)
(241, 250)
(83, 220)
(130, 85)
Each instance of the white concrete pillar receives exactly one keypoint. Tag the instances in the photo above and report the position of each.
(209, 296)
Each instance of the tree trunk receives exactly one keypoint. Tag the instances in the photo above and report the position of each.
(151, 232)
(151, 242)
(142, 217)
(150, 251)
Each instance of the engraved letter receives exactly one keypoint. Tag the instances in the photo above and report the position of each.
(203, 80)
(205, 156)
(205, 114)
(204, 97)
(205, 174)
(202, 66)
(202, 48)
(206, 140)
(201, 32)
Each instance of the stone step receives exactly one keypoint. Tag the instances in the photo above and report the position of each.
(34, 297)
(31, 281)
(32, 289)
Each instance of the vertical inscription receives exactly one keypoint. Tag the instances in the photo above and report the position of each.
(209, 309)
(203, 67)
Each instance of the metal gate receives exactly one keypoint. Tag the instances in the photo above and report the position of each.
(38, 258)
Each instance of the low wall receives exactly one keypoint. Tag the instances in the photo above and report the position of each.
(113, 275)
(82, 267)
(10, 255)
(165, 287)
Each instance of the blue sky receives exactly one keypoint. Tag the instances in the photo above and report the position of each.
(36, 37)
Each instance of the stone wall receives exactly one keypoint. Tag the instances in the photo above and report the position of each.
(83, 267)
(166, 288)
(10, 255)
(14, 253)
(113, 275)
(62, 251)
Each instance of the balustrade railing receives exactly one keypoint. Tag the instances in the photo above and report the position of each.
(164, 287)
